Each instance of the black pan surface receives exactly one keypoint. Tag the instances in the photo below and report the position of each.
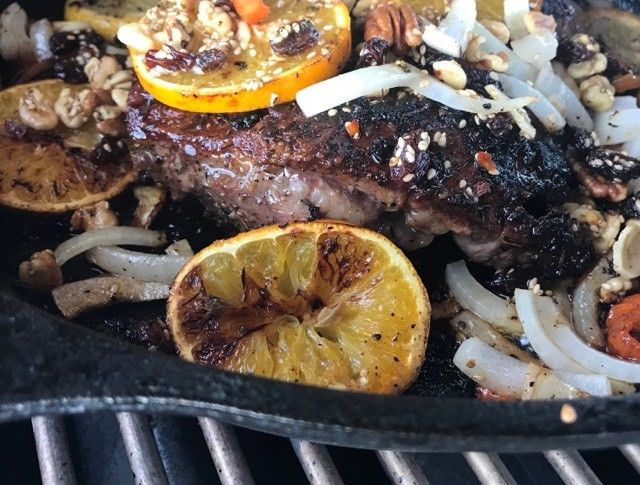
(50, 366)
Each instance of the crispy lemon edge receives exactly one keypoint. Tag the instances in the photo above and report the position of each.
(317, 228)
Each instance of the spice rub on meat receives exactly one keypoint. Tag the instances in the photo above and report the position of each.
(437, 170)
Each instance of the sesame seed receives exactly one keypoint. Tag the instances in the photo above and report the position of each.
(332, 112)
(443, 140)
(431, 173)
(447, 164)
(394, 161)
(277, 71)
(253, 52)
(324, 51)
(327, 27)
(469, 191)
(568, 414)
(423, 145)
(424, 135)
(408, 177)
(273, 99)
(346, 110)
(106, 147)
(462, 124)
(311, 54)
(462, 184)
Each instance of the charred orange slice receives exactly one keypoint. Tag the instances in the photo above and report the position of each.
(49, 171)
(300, 43)
(106, 16)
(319, 303)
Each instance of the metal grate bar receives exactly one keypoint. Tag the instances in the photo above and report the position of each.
(489, 468)
(632, 453)
(226, 453)
(316, 462)
(56, 467)
(142, 450)
(401, 468)
(571, 467)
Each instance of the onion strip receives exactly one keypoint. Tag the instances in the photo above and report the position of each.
(159, 268)
(618, 126)
(563, 98)
(474, 297)
(108, 236)
(585, 304)
(369, 80)
(542, 108)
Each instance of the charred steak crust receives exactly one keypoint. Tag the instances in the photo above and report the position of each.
(408, 154)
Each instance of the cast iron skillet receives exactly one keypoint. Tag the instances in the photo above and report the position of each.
(50, 366)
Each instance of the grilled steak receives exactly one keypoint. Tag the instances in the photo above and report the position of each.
(438, 169)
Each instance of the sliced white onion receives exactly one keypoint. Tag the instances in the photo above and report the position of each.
(593, 384)
(40, 33)
(508, 376)
(585, 304)
(548, 114)
(561, 71)
(459, 21)
(564, 99)
(160, 268)
(624, 102)
(474, 297)
(538, 49)
(471, 325)
(594, 360)
(632, 148)
(492, 45)
(618, 126)
(441, 42)
(180, 248)
(109, 236)
(626, 250)
(514, 13)
(363, 82)
(537, 313)
(15, 44)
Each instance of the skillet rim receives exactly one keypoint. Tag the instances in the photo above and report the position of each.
(109, 374)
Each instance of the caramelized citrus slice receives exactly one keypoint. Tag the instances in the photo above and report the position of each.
(106, 16)
(50, 171)
(260, 75)
(319, 303)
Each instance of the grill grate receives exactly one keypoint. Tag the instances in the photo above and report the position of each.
(56, 466)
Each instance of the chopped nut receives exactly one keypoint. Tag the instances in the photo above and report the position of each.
(395, 24)
(69, 108)
(597, 93)
(98, 71)
(36, 111)
(133, 36)
(537, 22)
(112, 127)
(587, 41)
(41, 271)
(107, 112)
(89, 101)
(483, 60)
(95, 216)
(150, 201)
(497, 28)
(599, 187)
(614, 289)
(119, 97)
(580, 70)
(450, 73)
(605, 227)
(214, 20)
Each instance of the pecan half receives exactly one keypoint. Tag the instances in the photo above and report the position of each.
(398, 25)
(599, 187)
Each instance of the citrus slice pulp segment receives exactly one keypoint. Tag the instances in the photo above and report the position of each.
(45, 175)
(351, 314)
(256, 77)
(106, 16)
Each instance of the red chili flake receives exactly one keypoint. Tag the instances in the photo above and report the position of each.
(485, 160)
(353, 128)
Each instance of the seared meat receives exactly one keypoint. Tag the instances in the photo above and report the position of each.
(440, 170)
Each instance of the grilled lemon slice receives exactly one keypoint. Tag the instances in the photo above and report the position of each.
(49, 174)
(106, 16)
(319, 303)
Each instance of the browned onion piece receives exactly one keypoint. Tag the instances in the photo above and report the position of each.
(76, 298)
